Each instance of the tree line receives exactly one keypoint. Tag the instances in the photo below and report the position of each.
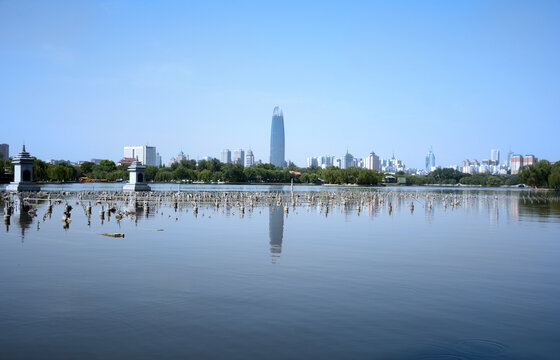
(205, 171)
(541, 174)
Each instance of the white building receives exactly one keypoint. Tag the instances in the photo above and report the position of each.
(145, 154)
(347, 161)
(495, 156)
(312, 161)
(372, 162)
(225, 156)
(238, 156)
(249, 159)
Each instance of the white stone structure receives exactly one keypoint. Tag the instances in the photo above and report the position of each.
(137, 180)
(23, 173)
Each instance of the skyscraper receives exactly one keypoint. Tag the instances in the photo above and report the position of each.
(249, 159)
(495, 156)
(238, 156)
(225, 156)
(277, 146)
(347, 161)
(430, 161)
(372, 162)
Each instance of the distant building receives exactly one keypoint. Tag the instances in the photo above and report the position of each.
(430, 161)
(181, 156)
(277, 139)
(392, 165)
(529, 160)
(96, 161)
(225, 156)
(159, 162)
(372, 162)
(238, 156)
(249, 159)
(126, 161)
(4, 151)
(145, 154)
(346, 161)
(495, 156)
(516, 163)
(312, 161)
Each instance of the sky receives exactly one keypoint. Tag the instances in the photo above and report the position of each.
(82, 79)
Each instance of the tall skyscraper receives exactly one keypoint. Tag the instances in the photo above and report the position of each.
(238, 156)
(277, 145)
(225, 156)
(430, 161)
(249, 159)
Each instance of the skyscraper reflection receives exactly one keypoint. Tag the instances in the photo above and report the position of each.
(275, 231)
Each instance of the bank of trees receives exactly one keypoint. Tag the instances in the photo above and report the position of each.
(542, 174)
(205, 171)
(454, 177)
(213, 170)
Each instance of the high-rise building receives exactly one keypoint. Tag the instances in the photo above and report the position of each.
(158, 160)
(430, 161)
(238, 156)
(145, 154)
(277, 144)
(516, 163)
(529, 160)
(249, 159)
(347, 161)
(225, 156)
(372, 162)
(4, 151)
(495, 156)
(312, 161)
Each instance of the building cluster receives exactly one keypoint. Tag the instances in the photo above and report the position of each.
(493, 166)
(239, 157)
(346, 161)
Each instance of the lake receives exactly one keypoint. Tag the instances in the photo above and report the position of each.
(254, 272)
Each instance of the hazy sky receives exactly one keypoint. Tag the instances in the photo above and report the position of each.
(80, 80)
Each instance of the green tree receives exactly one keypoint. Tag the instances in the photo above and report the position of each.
(554, 177)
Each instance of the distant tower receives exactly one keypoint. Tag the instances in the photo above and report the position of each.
(23, 173)
(347, 160)
(277, 145)
(238, 156)
(495, 156)
(430, 161)
(137, 180)
(249, 159)
(225, 156)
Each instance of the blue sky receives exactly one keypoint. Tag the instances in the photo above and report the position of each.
(80, 80)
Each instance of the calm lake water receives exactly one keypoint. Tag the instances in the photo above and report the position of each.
(468, 274)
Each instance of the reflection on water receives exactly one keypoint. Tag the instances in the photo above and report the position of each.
(275, 231)
(468, 274)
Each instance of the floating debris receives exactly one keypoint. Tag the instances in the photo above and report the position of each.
(116, 235)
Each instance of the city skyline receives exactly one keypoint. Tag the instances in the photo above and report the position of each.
(463, 77)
